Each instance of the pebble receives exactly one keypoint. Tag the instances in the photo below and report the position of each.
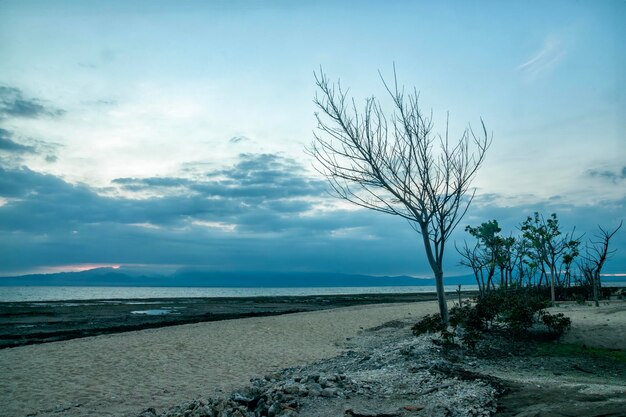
(399, 369)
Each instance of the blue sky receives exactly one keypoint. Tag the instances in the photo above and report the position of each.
(172, 133)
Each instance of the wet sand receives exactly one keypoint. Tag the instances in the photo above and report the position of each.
(24, 323)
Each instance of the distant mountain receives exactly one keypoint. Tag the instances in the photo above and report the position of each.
(197, 278)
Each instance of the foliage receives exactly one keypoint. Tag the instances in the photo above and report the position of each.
(513, 311)
(541, 255)
(557, 323)
(431, 323)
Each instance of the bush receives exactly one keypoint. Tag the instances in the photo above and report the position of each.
(521, 309)
(557, 323)
(431, 323)
(515, 311)
(467, 316)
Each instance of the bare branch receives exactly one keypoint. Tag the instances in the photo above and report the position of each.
(394, 163)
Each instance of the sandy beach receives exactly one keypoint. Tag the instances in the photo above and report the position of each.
(113, 375)
(120, 374)
(603, 327)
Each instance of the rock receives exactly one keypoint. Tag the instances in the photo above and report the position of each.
(314, 392)
(291, 389)
(261, 407)
(329, 392)
(315, 386)
(148, 412)
(274, 410)
(241, 398)
(272, 377)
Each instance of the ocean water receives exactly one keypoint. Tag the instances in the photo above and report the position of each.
(34, 293)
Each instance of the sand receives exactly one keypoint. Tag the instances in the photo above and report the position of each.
(603, 327)
(121, 374)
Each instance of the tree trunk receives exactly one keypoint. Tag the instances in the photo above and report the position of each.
(441, 297)
(595, 289)
(552, 293)
(435, 265)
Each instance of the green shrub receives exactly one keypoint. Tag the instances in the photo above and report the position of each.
(557, 323)
(514, 310)
(521, 309)
(431, 323)
(467, 316)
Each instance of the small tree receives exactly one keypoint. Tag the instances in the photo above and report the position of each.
(545, 238)
(486, 251)
(475, 259)
(395, 164)
(597, 253)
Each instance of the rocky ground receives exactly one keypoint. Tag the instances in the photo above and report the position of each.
(388, 372)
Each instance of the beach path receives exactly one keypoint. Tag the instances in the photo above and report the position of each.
(120, 374)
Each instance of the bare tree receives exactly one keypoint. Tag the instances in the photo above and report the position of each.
(395, 164)
(476, 260)
(597, 253)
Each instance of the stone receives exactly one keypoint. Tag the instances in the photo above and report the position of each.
(314, 392)
(315, 386)
(148, 412)
(241, 398)
(291, 389)
(329, 392)
(274, 410)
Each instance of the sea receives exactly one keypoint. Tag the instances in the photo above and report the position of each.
(60, 293)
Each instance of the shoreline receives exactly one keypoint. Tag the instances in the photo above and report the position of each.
(34, 322)
(118, 374)
(122, 374)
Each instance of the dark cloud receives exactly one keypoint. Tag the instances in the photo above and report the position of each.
(613, 176)
(8, 145)
(15, 150)
(13, 103)
(237, 218)
(261, 213)
(260, 193)
(256, 179)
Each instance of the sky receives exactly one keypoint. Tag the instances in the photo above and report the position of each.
(165, 134)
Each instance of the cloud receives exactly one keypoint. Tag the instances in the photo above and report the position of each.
(261, 213)
(256, 214)
(255, 179)
(613, 176)
(260, 193)
(13, 103)
(238, 139)
(8, 145)
(17, 152)
(545, 60)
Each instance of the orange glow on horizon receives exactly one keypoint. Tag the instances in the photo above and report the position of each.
(74, 268)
